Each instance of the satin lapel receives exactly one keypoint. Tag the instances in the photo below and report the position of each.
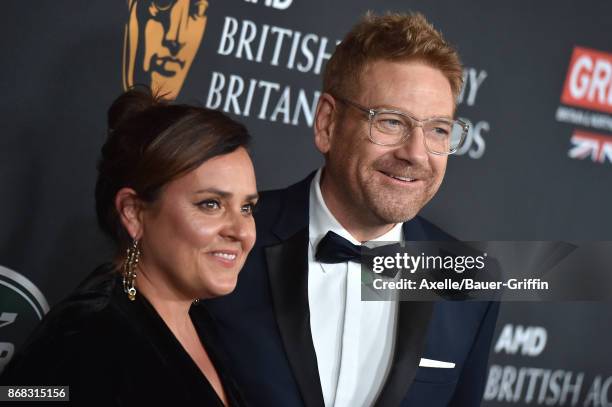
(288, 273)
(412, 323)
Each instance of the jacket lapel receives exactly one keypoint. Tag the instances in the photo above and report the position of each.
(412, 323)
(288, 273)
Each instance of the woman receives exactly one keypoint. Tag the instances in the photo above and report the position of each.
(175, 192)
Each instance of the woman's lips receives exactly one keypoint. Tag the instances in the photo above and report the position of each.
(226, 258)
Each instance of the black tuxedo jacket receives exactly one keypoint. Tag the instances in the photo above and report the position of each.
(265, 323)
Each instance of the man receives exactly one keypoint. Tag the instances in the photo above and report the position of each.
(296, 329)
(161, 41)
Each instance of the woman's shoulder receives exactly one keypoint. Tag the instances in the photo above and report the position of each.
(92, 299)
(74, 331)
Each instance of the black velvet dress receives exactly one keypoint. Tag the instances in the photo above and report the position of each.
(115, 352)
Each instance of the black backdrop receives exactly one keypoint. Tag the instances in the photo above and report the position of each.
(524, 174)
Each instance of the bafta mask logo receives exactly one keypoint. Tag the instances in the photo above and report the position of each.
(161, 40)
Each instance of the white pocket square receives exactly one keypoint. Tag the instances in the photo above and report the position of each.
(435, 363)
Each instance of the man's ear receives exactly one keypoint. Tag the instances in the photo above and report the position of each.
(324, 123)
(130, 209)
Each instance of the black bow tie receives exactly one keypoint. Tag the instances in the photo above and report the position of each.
(333, 248)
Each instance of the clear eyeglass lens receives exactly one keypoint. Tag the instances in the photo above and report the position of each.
(441, 136)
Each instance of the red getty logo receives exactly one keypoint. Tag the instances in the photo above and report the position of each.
(589, 80)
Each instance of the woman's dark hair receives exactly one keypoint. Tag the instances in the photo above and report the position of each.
(151, 142)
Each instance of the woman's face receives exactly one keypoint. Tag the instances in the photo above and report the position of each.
(196, 236)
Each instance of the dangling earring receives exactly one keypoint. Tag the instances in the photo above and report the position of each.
(129, 270)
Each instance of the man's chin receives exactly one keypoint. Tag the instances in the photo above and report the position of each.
(397, 210)
(397, 218)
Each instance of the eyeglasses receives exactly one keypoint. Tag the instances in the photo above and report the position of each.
(392, 128)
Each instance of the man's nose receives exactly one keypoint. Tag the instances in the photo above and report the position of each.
(413, 149)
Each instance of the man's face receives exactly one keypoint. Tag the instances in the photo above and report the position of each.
(168, 34)
(383, 185)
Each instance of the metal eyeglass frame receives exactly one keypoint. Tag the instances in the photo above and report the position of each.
(373, 112)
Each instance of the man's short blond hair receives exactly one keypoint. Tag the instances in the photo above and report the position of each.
(391, 37)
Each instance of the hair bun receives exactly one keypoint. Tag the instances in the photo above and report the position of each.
(134, 101)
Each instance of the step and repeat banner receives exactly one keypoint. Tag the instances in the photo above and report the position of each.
(536, 165)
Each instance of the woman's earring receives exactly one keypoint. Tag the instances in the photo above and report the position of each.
(129, 269)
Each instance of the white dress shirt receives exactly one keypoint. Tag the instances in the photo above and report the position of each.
(353, 339)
